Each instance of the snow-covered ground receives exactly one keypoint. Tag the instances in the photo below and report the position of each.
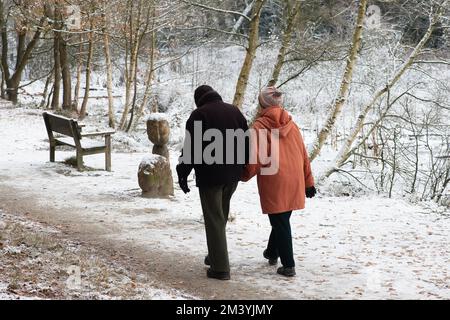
(345, 247)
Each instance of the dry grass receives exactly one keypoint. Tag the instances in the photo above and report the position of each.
(35, 261)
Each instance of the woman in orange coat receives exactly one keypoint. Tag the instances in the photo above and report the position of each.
(282, 190)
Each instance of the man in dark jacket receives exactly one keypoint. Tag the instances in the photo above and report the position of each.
(218, 159)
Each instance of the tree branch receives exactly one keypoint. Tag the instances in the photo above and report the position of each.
(216, 9)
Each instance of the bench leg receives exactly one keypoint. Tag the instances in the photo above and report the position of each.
(79, 160)
(52, 153)
(108, 153)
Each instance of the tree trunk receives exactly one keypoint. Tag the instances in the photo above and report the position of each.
(4, 58)
(79, 72)
(129, 53)
(286, 40)
(46, 93)
(66, 75)
(149, 74)
(336, 109)
(12, 90)
(14, 81)
(111, 115)
(3, 83)
(131, 69)
(57, 74)
(4, 35)
(21, 39)
(88, 75)
(62, 66)
(130, 82)
(253, 42)
(23, 55)
(133, 104)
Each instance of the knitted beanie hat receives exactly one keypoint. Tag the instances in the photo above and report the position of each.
(270, 97)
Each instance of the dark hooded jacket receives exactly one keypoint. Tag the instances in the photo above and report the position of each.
(213, 113)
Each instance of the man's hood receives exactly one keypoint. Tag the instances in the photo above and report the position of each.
(276, 118)
(208, 97)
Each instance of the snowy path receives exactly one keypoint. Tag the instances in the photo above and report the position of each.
(344, 247)
(39, 261)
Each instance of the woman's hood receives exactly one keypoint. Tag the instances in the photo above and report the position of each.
(276, 118)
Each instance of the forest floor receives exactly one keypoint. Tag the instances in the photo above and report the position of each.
(54, 219)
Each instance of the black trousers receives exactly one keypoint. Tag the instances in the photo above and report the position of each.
(216, 207)
(280, 240)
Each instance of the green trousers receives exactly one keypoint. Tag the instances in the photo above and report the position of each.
(216, 207)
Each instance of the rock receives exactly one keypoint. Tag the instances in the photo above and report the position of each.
(155, 177)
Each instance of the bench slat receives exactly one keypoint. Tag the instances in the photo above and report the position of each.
(61, 125)
(85, 143)
(99, 133)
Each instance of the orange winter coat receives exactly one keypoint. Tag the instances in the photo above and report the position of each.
(284, 190)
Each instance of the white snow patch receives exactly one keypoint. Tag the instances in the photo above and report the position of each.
(158, 116)
(150, 160)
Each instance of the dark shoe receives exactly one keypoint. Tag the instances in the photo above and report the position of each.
(217, 275)
(272, 261)
(207, 262)
(286, 271)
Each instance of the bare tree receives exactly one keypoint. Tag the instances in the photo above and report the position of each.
(149, 74)
(109, 80)
(292, 11)
(344, 152)
(240, 21)
(91, 43)
(23, 50)
(253, 43)
(341, 98)
(138, 22)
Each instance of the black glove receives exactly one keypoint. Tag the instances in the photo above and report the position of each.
(184, 185)
(311, 192)
(182, 178)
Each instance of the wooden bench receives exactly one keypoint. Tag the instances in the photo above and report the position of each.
(73, 137)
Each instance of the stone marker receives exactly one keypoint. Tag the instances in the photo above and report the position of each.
(155, 177)
(154, 174)
(158, 132)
